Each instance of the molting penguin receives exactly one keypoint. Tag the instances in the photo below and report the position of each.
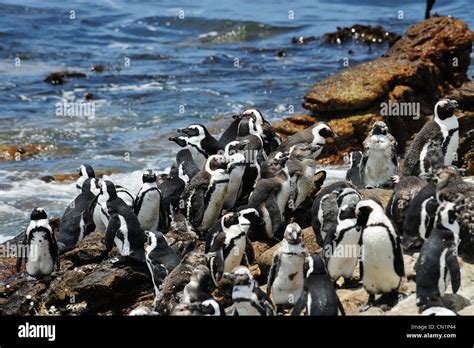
(324, 210)
(341, 247)
(404, 192)
(148, 203)
(445, 127)
(319, 295)
(286, 276)
(381, 264)
(247, 297)
(353, 174)
(72, 228)
(199, 141)
(314, 135)
(160, 259)
(171, 290)
(301, 168)
(228, 247)
(123, 228)
(199, 287)
(379, 162)
(204, 196)
(41, 246)
(438, 261)
(85, 172)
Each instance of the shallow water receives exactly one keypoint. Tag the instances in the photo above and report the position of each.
(180, 71)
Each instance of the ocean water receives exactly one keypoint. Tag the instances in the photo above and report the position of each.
(167, 64)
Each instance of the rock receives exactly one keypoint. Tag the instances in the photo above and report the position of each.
(361, 33)
(264, 260)
(73, 176)
(420, 67)
(89, 250)
(352, 300)
(112, 287)
(18, 153)
(59, 78)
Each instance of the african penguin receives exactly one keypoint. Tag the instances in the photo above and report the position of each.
(301, 168)
(379, 162)
(438, 263)
(445, 127)
(85, 172)
(353, 173)
(203, 197)
(199, 141)
(314, 135)
(123, 228)
(381, 263)
(41, 247)
(199, 287)
(341, 247)
(324, 210)
(319, 295)
(236, 168)
(148, 202)
(72, 226)
(286, 277)
(248, 299)
(229, 245)
(160, 258)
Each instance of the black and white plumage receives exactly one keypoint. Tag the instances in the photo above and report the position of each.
(444, 127)
(42, 250)
(381, 264)
(181, 172)
(126, 195)
(420, 216)
(201, 144)
(199, 287)
(72, 228)
(85, 172)
(251, 122)
(203, 198)
(286, 277)
(123, 228)
(319, 295)
(341, 246)
(148, 207)
(247, 297)
(438, 311)
(438, 263)
(271, 195)
(315, 135)
(324, 210)
(228, 247)
(237, 163)
(379, 162)
(160, 258)
(353, 173)
(301, 168)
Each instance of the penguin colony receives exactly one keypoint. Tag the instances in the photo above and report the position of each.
(194, 227)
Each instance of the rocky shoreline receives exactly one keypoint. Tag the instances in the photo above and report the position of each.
(417, 68)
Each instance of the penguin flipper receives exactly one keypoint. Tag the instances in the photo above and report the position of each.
(249, 251)
(273, 272)
(398, 258)
(453, 266)
(164, 218)
(54, 250)
(112, 228)
(300, 304)
(340, 306)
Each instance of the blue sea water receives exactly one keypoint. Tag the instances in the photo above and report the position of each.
(168, 63)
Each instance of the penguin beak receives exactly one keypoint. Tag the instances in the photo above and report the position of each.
(452, 104)
(178, 140)
(229, 276)
(237, 116)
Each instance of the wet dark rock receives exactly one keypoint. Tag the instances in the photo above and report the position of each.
(59, 78)
(98, 68)
(361, 33)
(301, 40)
